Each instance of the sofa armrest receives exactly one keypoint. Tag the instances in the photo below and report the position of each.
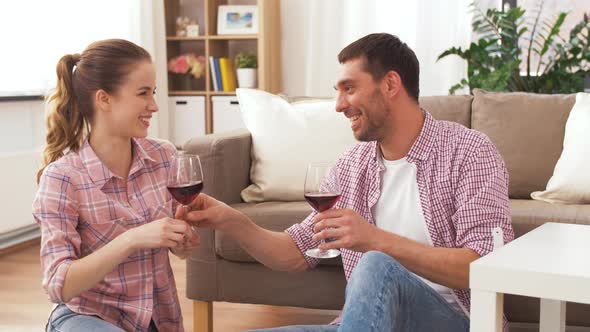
(225, 158)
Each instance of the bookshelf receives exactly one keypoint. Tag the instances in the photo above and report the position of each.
(266, 44)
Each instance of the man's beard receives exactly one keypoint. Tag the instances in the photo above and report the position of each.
(374, 129)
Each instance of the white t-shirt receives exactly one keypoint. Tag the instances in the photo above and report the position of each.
(399, 211)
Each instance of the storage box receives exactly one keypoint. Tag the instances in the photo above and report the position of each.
(226, 114)
(187, 118)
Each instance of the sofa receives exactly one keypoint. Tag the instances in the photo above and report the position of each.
(527, 129)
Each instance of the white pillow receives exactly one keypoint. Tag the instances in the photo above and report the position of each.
(570, 183)
(286, 138)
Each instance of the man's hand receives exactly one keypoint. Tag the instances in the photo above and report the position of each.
(207, 212)
(347, 228)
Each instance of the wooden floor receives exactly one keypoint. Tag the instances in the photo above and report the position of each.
(24, 306)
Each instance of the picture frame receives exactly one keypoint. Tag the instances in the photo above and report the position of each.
(237, 19)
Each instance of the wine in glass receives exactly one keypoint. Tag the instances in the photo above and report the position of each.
(185, 180)
(322, 191)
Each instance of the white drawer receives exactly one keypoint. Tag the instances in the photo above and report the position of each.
(187, 118)
(226, 114)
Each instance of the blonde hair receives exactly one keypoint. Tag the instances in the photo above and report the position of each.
(102, 66)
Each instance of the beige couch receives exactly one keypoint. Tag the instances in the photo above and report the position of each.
(527, 129)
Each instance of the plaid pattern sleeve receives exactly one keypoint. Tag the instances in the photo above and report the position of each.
(56, 213)
(301, 233)
(482, 200)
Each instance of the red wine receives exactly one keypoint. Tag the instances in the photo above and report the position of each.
(186, 193)
(321, 201)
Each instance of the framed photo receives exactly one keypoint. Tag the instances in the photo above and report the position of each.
(237, 19)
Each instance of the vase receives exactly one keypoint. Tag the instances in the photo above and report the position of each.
(247, 77)
(186, 82)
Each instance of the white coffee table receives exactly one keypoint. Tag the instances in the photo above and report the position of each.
(551, 262)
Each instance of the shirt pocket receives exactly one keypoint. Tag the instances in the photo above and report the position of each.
(162, 210)
(97, 233)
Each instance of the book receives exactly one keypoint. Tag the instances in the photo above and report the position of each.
(213, 73)
(228, 77)
(218, 75)
(233, 82)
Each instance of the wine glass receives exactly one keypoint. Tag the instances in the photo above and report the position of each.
(185, 180)
(322, 191)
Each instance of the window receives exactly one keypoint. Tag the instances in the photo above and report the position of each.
(549, 12)
(36, 33)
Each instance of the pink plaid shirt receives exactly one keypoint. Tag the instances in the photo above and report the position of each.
(81, 206)
(463, 186)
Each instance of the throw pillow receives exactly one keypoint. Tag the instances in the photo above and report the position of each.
(286, 137)
(570, 183)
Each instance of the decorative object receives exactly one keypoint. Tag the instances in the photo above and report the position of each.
(187, 63)
(570, 183)
(183, 24)
(246, 65)
(237, 19)
(310, 130)
(187, 68)
(192, 30)
(494, 61)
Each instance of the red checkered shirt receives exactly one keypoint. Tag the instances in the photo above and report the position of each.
(81, 206)
(463, 186)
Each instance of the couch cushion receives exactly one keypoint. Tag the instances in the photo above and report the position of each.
(449, 108)
(306, 132)
(570, 183)
(275, 216)
(529, 214)
(528, 131)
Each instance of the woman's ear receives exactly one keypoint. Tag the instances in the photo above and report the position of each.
(102, 101)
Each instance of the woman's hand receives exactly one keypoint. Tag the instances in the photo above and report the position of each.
(191, 237)
(165, 232)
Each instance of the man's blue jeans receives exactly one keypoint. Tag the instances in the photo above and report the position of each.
(382, 295)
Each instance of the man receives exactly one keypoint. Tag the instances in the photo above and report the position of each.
(420, 198)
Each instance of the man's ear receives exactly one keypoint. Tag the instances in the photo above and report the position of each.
(392, 83)
(102, 101)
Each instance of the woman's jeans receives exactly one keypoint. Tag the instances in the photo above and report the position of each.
(63, 319)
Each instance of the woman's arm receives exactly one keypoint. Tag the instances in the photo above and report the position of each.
(86, 272)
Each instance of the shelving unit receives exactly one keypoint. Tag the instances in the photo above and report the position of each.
(266, 45)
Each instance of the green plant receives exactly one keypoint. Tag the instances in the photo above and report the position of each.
(244, 60)
(494, 61)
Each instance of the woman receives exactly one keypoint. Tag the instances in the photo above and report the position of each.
(102, 204)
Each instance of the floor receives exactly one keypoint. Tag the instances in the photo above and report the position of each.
(25, 306)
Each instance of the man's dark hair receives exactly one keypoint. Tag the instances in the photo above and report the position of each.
(384, 52)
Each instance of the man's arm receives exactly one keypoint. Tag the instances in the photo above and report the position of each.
(445, 266)
(276, 250)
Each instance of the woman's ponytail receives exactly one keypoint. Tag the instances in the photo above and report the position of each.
(65, 122)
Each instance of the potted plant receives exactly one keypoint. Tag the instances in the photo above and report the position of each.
(246, 68)
(507, 38)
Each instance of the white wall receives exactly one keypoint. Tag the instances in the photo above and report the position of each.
(313, 33)
(21, 135)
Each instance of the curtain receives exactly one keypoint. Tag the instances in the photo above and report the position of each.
(314, 32)
(151, 35)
